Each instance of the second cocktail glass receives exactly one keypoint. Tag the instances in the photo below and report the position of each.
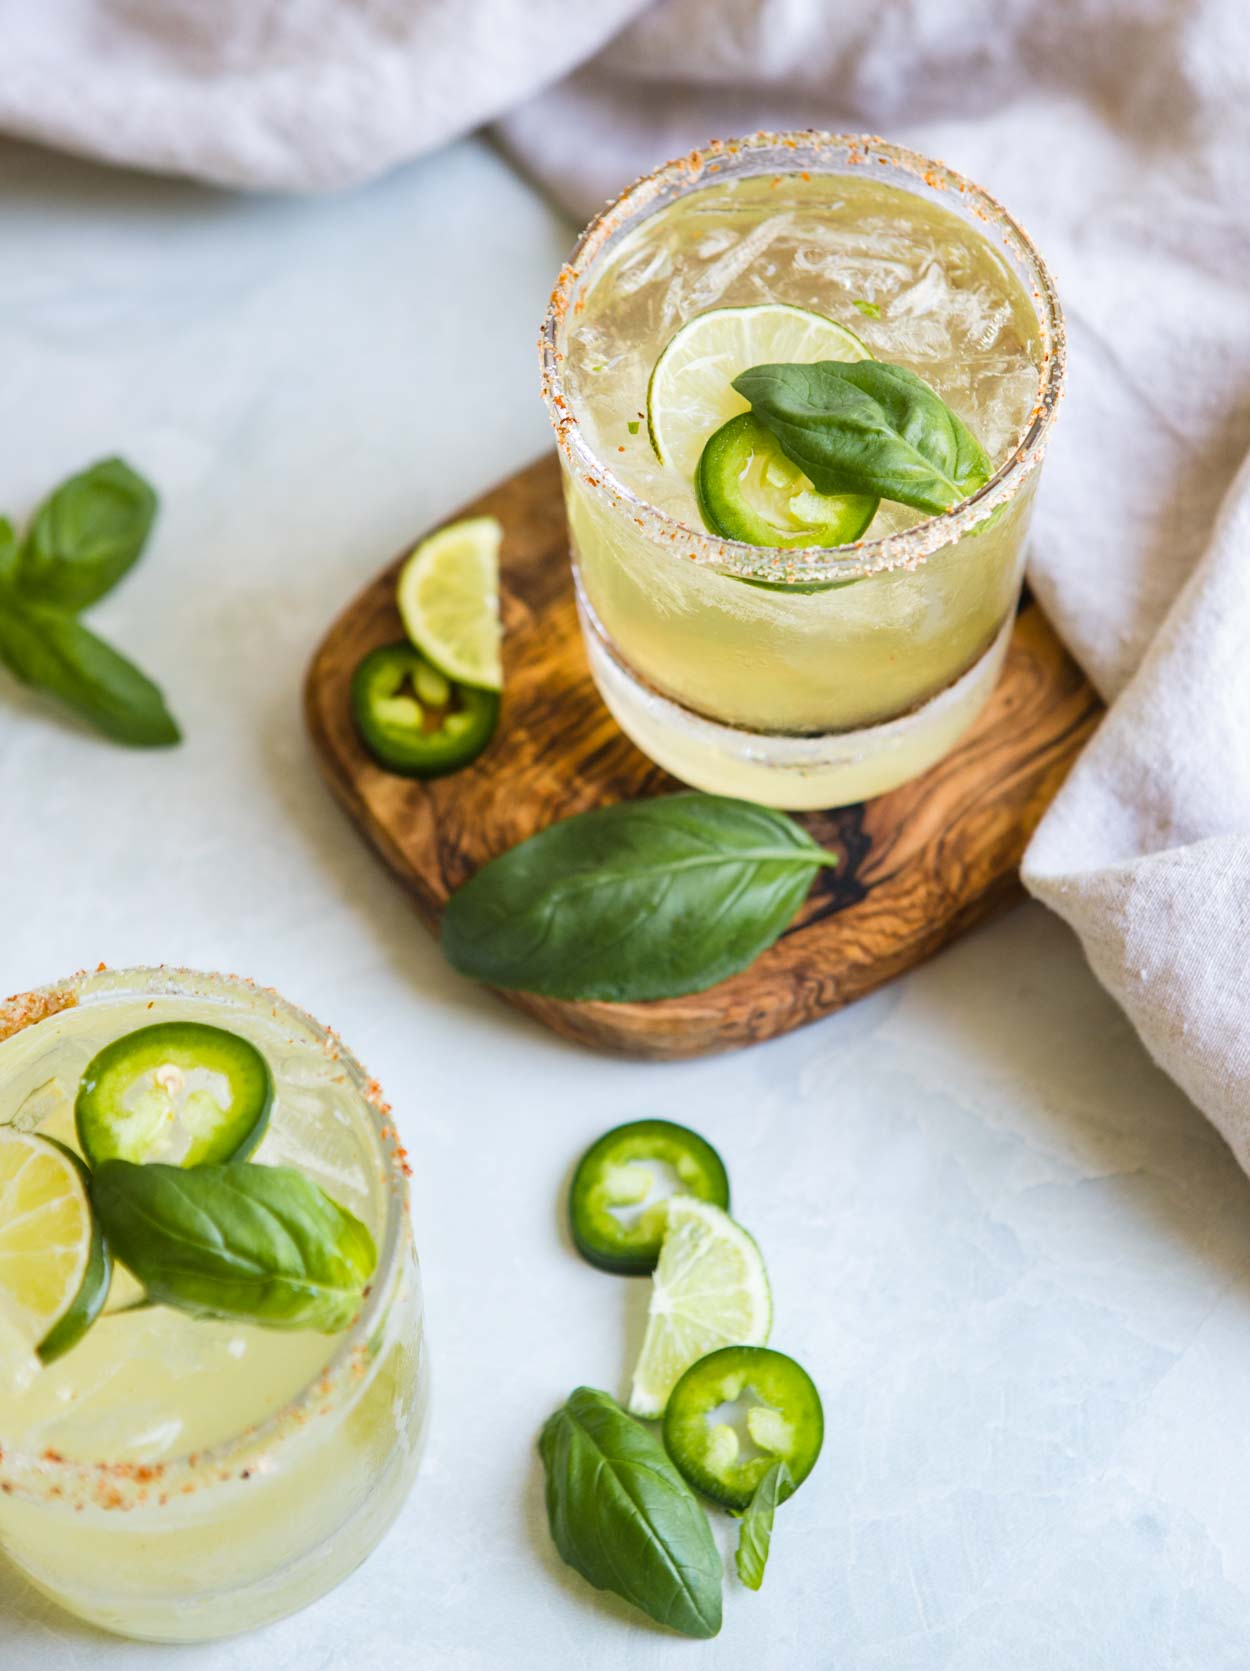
(178, 1478)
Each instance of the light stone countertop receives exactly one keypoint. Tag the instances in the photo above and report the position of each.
(1015, 1259)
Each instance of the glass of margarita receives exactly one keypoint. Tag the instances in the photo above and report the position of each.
(799, 675)
(178, 1478)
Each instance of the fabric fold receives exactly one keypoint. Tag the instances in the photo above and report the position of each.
(1146, 851)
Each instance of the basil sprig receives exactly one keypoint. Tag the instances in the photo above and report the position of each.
(85, 536)
(262, 1244)
(56, 653)
(622, 1516)
(868, 427)
(643, 900)
(756, 1533)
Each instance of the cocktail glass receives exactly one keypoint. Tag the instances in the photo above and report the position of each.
(178, 1479)
(813, 677)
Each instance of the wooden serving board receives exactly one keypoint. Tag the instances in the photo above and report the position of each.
(919, 866)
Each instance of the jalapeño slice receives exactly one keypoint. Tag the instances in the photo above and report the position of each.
(779, 1409)
(617, 1220)
(749, 490)
(178, 1092)
(413, 719)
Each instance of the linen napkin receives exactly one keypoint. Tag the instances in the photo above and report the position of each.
(1117, 130)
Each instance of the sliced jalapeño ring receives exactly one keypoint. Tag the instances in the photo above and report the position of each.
(617, 1221)
(780, 1412)
(178, 1092)
(413, 719)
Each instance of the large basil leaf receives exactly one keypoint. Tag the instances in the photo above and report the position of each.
(259, 1243)
(756, 1533)
(86, 535)
(868, 427)
(55, 652)
(623, 1517)
(647, 899)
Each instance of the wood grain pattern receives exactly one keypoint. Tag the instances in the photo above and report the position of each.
(920, 865)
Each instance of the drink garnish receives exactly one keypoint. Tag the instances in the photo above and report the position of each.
(54, 1264)
(178, 1091)
(868, 427)
(691, 393)
(261, 1244)
(747, 489)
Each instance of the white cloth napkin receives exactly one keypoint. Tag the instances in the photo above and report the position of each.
(1117, 130)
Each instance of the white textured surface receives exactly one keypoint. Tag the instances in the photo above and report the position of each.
(1016, 1260)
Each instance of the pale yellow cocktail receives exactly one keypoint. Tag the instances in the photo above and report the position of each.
(801, 676)
(178, 1477)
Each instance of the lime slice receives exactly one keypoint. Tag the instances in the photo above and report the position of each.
(54, 1265)
(449, 599)
(710, 1290)
(691, 391)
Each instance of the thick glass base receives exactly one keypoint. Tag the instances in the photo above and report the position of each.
(157, 1590)
(799, 774)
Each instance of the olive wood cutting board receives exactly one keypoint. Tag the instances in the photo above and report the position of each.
(919, 865)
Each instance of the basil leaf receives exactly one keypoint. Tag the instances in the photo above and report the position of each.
(86, 535)
(756, 1534)
(55, 652)
(646, 899)
(259, 1243)
(622, 1516)
(8, 554)
(868, 427)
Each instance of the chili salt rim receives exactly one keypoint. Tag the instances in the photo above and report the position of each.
(906, 549)
(63, 1482)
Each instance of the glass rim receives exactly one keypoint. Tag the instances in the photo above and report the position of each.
(782, 565)
(75, 1482)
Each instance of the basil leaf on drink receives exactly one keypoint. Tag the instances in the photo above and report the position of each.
(868, 427)
(643, 900)
(53, 651)
(262, 1244)
(85, 536)
(756, 1533)
(622, 1516)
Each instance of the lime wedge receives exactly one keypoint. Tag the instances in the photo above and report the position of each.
(449, 599)
(54, 1265)
(710, 1289)
(691, 391)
